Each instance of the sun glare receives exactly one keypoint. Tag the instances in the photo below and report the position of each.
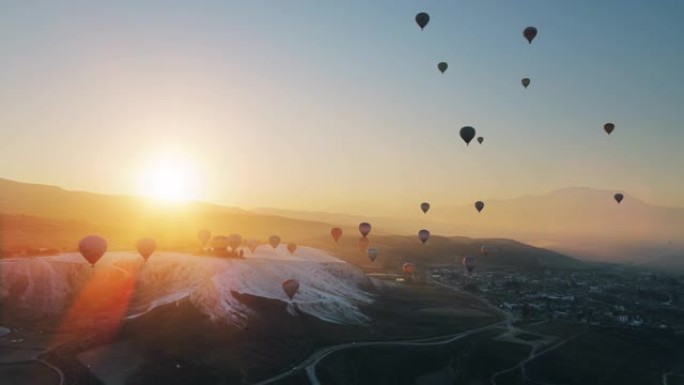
(170, 179)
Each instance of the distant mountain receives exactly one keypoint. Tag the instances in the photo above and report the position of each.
(38, 216)
(581, 221)
(45, 216)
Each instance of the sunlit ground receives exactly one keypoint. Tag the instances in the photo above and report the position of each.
(103, 301)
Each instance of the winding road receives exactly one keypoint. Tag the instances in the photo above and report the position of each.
(309, 364)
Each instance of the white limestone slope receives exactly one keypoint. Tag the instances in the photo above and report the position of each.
(329, 288)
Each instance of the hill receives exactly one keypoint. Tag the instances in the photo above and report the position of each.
(580, 221)
(38, 216)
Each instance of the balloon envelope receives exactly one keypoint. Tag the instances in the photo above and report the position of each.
(252, 245)
(372, 253)
(469, 263)
(92, 248)
(423, 235)
(618, 197)
(608, 127)
(291, 247)
(146, 247)
(526, 82)
(364, 228)
(467, 134)
(530, 33)
(409, 268)
(422, 19)
(274, 241)
(290, 287)
(442, 66)
(480, 139)
(203, 236)
(234, 241)
(479, 205)
(484, 250)
(220, 242)
(425, 207)
(336, 233)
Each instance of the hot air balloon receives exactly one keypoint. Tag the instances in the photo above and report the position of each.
(479, 205)
(469, 263)
(530, 33)
(291, 247)
(220, 244)
(274, 241)
(146, 247)
(525, 82)
(609, 127)
(372, 253)
(336, 233)
(363, 244)
(480, 139)
(290, 287)
(409, 268)
(252, 245)
(467, 134)
(364, 228)
(484, 250)
(92, 248)
(425, 207)
(234, 241)
(618, 197)
(423, 235)
(203, 236)
(422, 19)
(442, 66)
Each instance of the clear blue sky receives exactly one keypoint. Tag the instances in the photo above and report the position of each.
(339, 105)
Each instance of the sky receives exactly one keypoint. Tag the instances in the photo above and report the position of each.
(339, 105)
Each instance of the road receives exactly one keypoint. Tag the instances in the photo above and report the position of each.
(309, 364)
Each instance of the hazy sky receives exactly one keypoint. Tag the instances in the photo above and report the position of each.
(339, 105)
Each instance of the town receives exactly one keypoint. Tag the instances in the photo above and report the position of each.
(602, 297)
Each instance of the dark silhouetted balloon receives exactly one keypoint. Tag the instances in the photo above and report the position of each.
(364, 228)
(336, 233)
(525, 82)
(467, 134)
(274, 241)
(290, 287)
(372, 253)
(92, 248)
(609, 127)
(220, 243)
(480, 139)
(530, 33)
(618, 197)
(291, 248)
(234, 241)
(252, 245)
(425, 207)
(422, 19)
(409, 268)
(442, 66)
(484, 250)
(203, 236)
(479, 205)
(469, 263)
(146, 247)
(423, 235)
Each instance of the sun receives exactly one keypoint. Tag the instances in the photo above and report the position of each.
(170, 178)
